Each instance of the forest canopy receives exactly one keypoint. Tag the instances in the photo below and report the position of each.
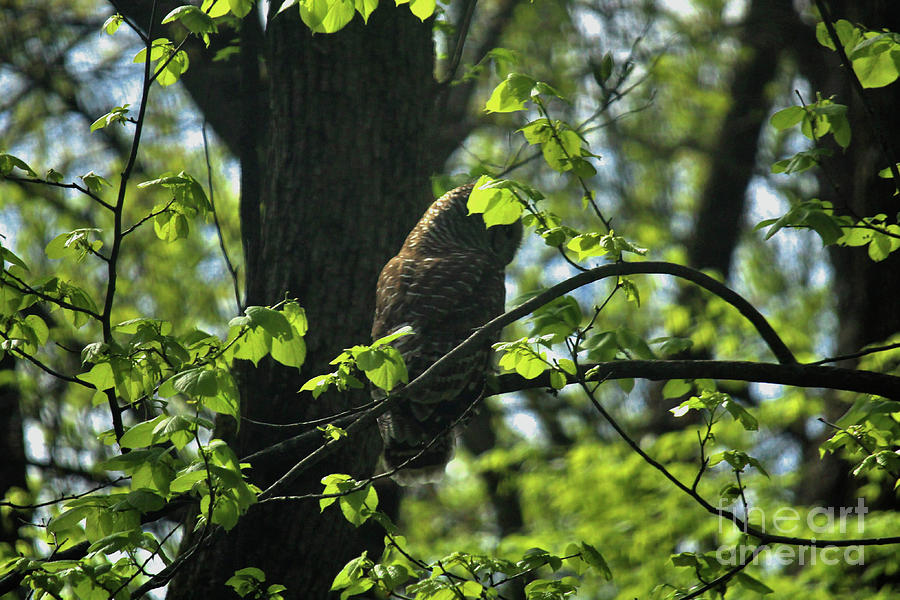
(696, 388)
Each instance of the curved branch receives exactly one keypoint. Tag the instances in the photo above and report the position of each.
(775, 343)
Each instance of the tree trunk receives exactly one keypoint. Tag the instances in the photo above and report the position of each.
(864, 290)
(344, 180)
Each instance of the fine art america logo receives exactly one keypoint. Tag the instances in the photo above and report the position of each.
(789, 522)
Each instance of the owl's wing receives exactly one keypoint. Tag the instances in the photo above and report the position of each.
(450, 294)
(444, 299)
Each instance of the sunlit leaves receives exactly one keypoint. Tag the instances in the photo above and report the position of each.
(188, 200)
(264, 330)
(111, 25)
(511, 94)
(814, 214)
(195, 20)
(8, 162)
(250, 582)
(330, 16)
(497, 200)
(875, 55)
(380, 362)
(119, 114)
(594, 244)
(524, 356)
(420, 8)
(816, 120)
(170, 63)
(354, 578)
(74, 244)
(326, 16)
(559, 318)
(357, 502)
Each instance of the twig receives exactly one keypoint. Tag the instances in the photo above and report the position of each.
(462, 31)
(130, 23)
(329, 419)
(726, 576)
(860, 91)
(140, 568)
(27, 289)
(212, 203)
(62, 498)
(853, 355)
(112, 273)
(68, 186)
(45, 368)
(861, 444)
(149, 216)
(367, 481)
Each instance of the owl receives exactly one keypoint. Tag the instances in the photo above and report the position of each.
(446, 281)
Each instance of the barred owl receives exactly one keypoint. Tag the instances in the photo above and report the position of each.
(446, 281)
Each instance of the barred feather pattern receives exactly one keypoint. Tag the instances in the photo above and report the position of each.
(446, 281)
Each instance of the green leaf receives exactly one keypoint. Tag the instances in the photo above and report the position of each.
(878, 69)
(194, 382)
(358, 506)
(500, 206)
(272, 321)
(592, 557)
(676, 388)
(511, 94)
(94, 182)
(787, 118)
(39, 328)
(558, 380)
(560, 150)
(240, 8)
(326, 16)
(8, 162)
(353, 577)
(142, 434)
(69, 519)
(145, 500)
(406, 330)
(365, 8)
(538, 132)
(100, 376)
(193, 19)
(186, 480)
(215, 8)
(384, 367)
(752, 584)
(117, 115)
(740, 414)
(845, 30)
(420, 8)
(111, 25)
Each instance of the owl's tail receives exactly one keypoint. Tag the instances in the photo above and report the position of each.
(417, 441)
(420, 464)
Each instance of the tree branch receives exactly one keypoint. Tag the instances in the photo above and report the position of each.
(798, 375)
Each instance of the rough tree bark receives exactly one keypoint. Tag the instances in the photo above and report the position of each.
(343, 181)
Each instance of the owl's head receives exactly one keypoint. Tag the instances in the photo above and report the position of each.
(504, 239)
(447, 226)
